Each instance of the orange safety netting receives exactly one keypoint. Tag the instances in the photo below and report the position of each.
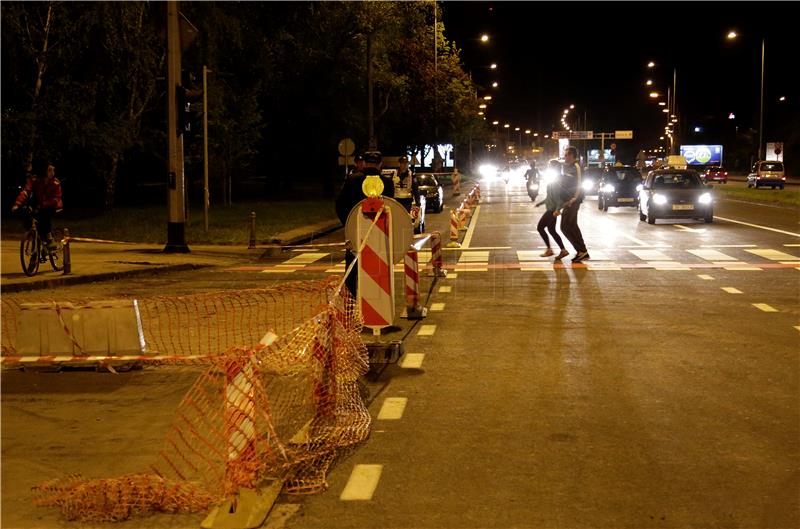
(281, 401)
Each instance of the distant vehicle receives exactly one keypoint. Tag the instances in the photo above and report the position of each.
(675, 161)
(432, 190)
(767, 174)
(589, 180)
(551, 172)
(675, 193)
(619, 186)
(532, 181)
(714, 173)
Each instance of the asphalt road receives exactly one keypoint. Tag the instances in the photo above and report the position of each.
(656, 385)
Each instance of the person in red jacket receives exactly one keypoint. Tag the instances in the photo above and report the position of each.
(44, 194)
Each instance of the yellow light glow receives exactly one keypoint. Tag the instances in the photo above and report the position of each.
(654, 94)
(732, 34)
(651, 64)
(372, 186)
(484, 38)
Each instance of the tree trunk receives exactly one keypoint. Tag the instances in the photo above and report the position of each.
(111, 182)
(41, 66)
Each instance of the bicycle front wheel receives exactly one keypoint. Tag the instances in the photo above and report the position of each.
(57, 255)
(29, 253)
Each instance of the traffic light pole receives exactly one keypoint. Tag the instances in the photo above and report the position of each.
(176, 187)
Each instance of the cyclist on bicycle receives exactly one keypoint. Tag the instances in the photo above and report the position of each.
(45, 195)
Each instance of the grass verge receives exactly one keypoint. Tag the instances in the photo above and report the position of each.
(783, 197)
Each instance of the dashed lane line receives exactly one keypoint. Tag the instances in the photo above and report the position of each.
(445, 290)
(362, 483)
(731, 290)
(392, 409)
(765, 307)
(427, 330)
(705, 277)
(437, 307)
(711, 255)
(412, 360)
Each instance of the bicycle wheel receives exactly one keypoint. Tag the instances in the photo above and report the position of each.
(57, 255)
(29, 253)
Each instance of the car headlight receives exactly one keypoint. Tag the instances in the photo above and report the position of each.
(609, 188)
(533, 186)
(705, 198)
(587, 185)
(549, 175)
(639, 187)
(487, 170)
(659, 199)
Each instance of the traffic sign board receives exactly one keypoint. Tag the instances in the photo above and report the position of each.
(623, 134)
(346, 147)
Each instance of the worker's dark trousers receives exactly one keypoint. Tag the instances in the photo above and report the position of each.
(569, 226)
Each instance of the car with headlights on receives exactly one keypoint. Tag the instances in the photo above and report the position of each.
(619, 187)
(590, 179)
(433, 191)
(715, 173)
(675, 193)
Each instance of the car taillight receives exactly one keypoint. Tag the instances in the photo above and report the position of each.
(725, 173)
(783, 178)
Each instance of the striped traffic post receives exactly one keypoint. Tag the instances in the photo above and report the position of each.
(453, 230)
(462, 218)
(413, 309)
(436, 255)
(456, 183)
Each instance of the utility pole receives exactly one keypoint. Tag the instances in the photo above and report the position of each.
(206, 201)
(373, 142)
(176, 187)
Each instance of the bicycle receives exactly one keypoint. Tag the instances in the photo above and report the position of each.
(33, 250)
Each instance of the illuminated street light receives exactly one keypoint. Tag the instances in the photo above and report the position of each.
(494, 84)
(651, 64)
(571, 107)
(536, 135)
(487, 98)
(662, 103)
(654, 94)
(482, 105)
(732, 35)
(731, 116)
(664, 110)
(484, 38)
(480, 113)
(493, 66)
(782, 98)
(661, 137)
(495, 122)
(506, 126)
(546, 136)
(527, 131)
(697, 129)
(649, 82)
(517, 128)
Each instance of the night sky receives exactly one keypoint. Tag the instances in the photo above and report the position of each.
(594, 55)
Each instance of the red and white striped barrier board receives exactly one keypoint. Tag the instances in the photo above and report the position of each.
(453, 230)
(375, 274)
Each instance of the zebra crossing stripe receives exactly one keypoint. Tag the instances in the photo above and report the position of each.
(773, 255)
(712, 255)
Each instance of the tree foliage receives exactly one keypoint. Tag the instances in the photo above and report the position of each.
(83, 83)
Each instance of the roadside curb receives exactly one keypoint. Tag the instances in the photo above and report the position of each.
(62, 281)
(299, 235)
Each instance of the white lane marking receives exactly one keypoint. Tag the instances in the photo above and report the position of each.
(341, 268)
(452, 275)
(773, 255)
(305, 258)
(392, 409)
(412, 360)
(765, 307)
(437, 307)
(591, 265)
(759, 227)
(471, 229)
(529, 255)
(668, 265)
(792, 245)
(362, 483)
(729, 245)
(650, 255)
(444, 290)
(476, 248)
(633, 239)
(705, 277)
(644, 246)
(427, 330)
(687, 228)
(731, 290)
(712, 255)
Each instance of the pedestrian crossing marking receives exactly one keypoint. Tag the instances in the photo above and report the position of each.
(340, 268)
(474, 257)
(650, 255)
(445, 290)
(451, 275)
(437, 307)
(305, 258)
(764, 307)
(705, 277)
(773, 255)
(797, 327)
(731, 290)
(712, 255)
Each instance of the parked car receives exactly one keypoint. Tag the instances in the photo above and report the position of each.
(714, 173)
(590, 179)
(767, 174)
(675, 193)
(433, 191)
(619, 186)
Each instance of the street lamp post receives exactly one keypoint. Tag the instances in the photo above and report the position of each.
(731, 36)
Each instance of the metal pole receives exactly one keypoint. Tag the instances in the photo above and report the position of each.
(252, 230)
(370, 112)
(205, 147)
(176, 221)
(761, 107)
(675, 108)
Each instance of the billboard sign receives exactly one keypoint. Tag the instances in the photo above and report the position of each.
(593, 156)
(775, 151)
(702, 154)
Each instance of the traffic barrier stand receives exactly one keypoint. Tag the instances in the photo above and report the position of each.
(478, 191)
(413, 310)
(453, 230)
(456, 183)
(462, 218)
(375, 278)
(436, 255)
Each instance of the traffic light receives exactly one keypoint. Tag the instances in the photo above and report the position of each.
(187, 98)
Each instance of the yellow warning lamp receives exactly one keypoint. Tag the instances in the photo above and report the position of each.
(372, 186)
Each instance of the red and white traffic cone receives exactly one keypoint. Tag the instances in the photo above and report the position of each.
(436, 255)
(411, 266)
(453, 230)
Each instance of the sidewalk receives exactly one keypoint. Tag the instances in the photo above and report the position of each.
(93, 261)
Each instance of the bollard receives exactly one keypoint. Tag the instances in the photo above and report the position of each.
(456, 183)
(252, 230)
(478, 192)
(436, 255)
(411, 266)
(453, 230)
(462, 218)
(67, 257)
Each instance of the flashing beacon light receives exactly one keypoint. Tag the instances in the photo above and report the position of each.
(372, 186)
